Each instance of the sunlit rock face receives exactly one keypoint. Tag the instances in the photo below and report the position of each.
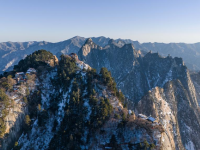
(177, 110)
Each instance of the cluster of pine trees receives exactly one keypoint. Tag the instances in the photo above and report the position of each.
(35, 60)
(76, 119)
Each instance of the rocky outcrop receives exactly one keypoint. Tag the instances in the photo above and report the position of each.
(53, 62)
(14, 125)
(196, 81)
(14, 121)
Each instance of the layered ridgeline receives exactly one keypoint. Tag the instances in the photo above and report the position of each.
(12, 52)
(66, 104)
(157, 86)
(135, 72)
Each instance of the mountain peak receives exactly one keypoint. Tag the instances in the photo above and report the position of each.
(116, 43)
(89, 41)
(129, 46)
(111, 41)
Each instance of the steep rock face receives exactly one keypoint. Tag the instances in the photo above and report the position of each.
(196, 81)
(111, 56)
(175, 109)
(14, 120)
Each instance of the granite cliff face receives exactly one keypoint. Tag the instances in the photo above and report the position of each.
(176, 111)
(119, 60)
(196, 81)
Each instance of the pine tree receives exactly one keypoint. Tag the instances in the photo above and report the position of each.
(39, 107)
(17, 146)
(25, 100)
(113, 143)
(27, 120)
(146, 145)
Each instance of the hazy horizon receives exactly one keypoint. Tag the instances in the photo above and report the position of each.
(97, 37)
(143, 21)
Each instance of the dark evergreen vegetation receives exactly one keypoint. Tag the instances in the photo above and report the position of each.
(6, 84)
(76, 120)
(35, 60)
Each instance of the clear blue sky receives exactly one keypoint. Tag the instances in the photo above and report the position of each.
(142, 20)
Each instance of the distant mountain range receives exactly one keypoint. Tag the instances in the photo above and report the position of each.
(12, 52)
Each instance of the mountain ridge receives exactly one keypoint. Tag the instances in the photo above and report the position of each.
(11, 53)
